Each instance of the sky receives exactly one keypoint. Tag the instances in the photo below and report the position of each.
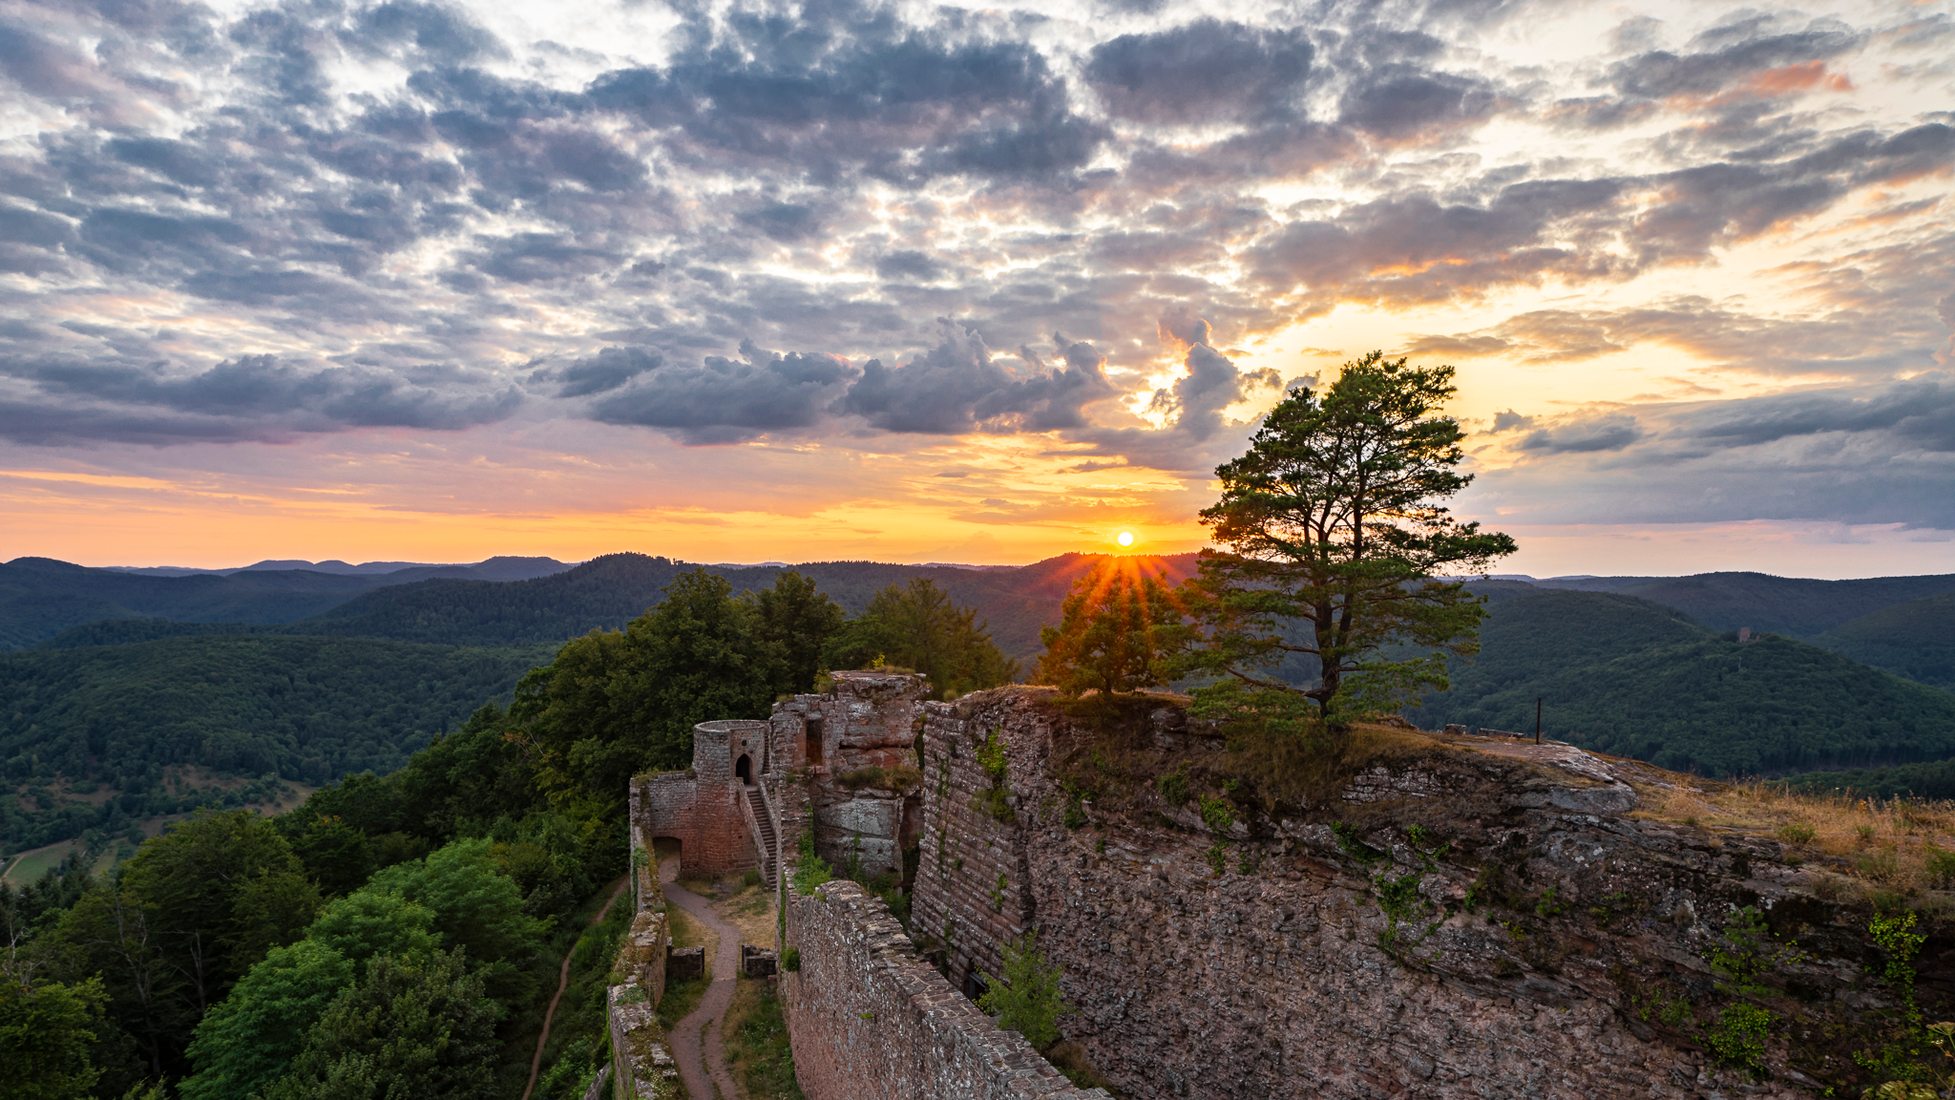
(908, 282)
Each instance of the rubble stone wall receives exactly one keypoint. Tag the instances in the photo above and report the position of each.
(1457, 923)
(872, 1020)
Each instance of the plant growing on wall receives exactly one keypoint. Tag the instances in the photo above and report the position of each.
(1028, 1000)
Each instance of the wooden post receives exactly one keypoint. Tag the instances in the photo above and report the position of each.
(1537, 719)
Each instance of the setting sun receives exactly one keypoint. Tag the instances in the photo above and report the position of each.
(1125, 538)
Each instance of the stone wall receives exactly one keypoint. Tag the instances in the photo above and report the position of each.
(1459, 921)
(700, 808)
(641, 1065)
(871, 1020)
(867, 720)
(970, 894)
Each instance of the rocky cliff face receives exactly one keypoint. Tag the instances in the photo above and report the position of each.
(1447, 919)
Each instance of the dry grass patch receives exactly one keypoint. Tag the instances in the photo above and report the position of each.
(1894, 843)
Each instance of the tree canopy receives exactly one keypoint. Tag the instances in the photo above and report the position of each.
(916, 626)
(1118, 631)
(1336, 547)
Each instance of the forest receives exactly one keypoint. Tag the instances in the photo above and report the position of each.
(399, 928)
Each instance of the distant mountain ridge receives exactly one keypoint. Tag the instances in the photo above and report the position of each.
(41, 597)
(502, 567)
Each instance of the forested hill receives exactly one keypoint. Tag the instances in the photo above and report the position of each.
(607, 592)
(1629, 676)
(40, 597)
(1915, 639)
(152, 727)
(1782, 605)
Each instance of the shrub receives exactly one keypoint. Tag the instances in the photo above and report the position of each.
(1796, 832)
(791, 960)
(1217, 814)
(1028, 1000)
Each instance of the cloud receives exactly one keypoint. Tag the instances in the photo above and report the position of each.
(959, 386)
(1405, 103)
(249, 397)
(1201, 72)
(1213, 383)
(1609, 432)
(718, 400)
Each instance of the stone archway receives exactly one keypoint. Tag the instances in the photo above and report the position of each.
(743, 769)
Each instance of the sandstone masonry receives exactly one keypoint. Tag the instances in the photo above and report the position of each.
(871, 1020)
(1456, 922)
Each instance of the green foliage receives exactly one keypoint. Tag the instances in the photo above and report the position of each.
(1217, 814)
(1624, 676)
(1218, 858)
(475, 907)
(917, 626)
(254, 710)
(1028, 1000)
(791, 960)
(991, 757)
(1119, 630)
(1914, 638)
(614, 704)
(187, 916)
(994, 800)
(793, 625)
(902, 777)
(810, 870)
(1894, 934)
(1173, 786)
(1352, 845)
(1335, 535)
(47, 1031)
(757, 1044)
(246, 1042)
(1738, 1037)
(418, 1025)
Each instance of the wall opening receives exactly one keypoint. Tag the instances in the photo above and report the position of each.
(813, 741)
(743, 769)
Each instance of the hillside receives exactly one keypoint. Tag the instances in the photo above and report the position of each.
(40, 597)
(607, 592)
(1626, 676)
(1915, 639)
(88, 732)
(1781, 605)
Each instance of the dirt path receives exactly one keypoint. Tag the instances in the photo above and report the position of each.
(697, 1044)
(563, 982)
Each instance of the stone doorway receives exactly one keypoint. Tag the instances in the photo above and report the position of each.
(743, 769)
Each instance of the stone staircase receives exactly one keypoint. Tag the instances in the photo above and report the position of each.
(764, 828)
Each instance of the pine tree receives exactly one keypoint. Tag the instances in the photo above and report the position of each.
(1118, 629)
(1337, 547)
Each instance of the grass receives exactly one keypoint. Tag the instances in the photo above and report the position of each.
(1276, 771)
(682, 997)
(36, 862)
(1895, 844)
(757, 1045)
